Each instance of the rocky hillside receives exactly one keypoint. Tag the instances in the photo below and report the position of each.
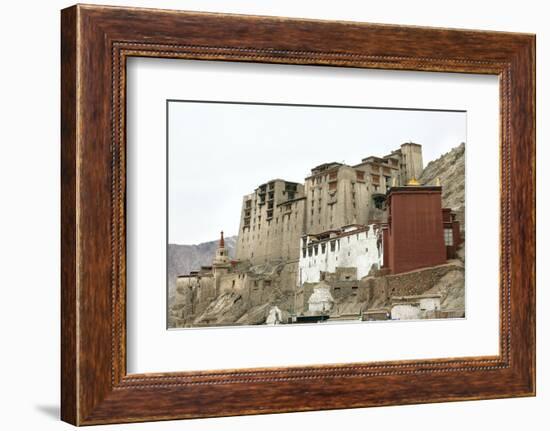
(449, 168)
(185, 258)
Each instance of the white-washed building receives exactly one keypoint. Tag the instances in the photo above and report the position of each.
(354, 246)
(416, 306)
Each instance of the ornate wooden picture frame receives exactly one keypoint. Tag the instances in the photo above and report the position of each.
(96, 41)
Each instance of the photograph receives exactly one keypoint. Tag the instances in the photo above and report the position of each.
(285, 214)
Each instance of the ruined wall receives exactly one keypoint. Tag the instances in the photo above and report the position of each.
(233, 281)
(194, 294)
(247, 293)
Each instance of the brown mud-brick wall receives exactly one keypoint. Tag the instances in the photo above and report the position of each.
(415, 229)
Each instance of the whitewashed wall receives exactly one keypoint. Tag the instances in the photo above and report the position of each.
(355, 250)
(430, 304)
(405, 312)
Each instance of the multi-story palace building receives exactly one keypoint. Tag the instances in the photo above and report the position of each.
(279, 213)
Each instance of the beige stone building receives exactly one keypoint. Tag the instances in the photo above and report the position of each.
(279, 213)
(272, 222)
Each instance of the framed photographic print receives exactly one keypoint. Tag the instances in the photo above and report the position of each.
(266, 215)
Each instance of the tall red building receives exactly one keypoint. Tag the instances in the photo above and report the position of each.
(420, 233)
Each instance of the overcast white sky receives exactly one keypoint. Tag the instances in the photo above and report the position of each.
(220, 152)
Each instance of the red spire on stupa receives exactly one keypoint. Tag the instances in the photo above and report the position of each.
(222, 242)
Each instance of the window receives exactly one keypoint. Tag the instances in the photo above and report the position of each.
(448, 237)
(332, 245)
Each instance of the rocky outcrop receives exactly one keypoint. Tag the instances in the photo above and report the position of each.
(450, 169)
(224, 310)
(451, 289)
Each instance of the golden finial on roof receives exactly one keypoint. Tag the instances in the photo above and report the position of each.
(437, 182)
(413, 182)
(394, 182)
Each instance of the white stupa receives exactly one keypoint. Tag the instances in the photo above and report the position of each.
(275, 316)
(321, 301)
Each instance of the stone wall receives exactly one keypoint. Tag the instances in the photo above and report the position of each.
(193, 294)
